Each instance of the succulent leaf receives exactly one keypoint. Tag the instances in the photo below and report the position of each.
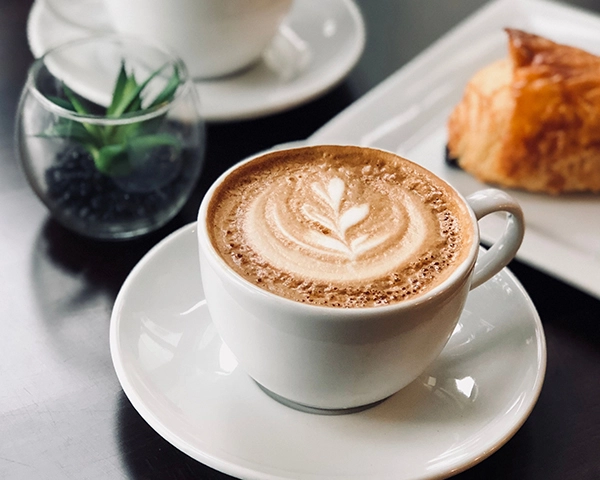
(61, 102)
(119, 89)
(113, 160)
(118, 149)
(169, 91)
(80, 108)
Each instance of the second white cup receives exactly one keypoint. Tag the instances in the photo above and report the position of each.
(213, 37)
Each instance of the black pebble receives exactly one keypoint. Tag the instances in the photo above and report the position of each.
(75, 185)
(451, 161)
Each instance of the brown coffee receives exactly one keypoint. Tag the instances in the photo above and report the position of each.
(339, 226)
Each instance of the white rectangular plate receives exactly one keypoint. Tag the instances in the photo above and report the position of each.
(407, 114)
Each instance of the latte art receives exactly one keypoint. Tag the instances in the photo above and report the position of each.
(338, 230)
(331, 222)
(328, 231)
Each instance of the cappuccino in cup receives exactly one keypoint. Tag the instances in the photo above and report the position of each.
(339, 226)
(336, 274)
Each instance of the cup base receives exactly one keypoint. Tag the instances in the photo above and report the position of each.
(317, 410)
(200, 74)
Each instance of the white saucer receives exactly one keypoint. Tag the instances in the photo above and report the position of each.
(186, 384)
(324, 37)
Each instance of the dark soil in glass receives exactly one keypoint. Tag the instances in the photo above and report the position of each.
(79, 190)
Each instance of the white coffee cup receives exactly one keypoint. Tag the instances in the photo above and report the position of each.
(213, 37)
(342, 359)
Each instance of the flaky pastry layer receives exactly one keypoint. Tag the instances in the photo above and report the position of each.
(532, 120)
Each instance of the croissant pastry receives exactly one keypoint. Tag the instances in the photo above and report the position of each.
(532, 120)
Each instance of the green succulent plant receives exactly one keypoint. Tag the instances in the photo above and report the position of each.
(118, 149)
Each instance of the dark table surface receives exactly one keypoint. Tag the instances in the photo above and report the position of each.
(62, 411)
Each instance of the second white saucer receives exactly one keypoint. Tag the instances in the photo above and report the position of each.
(327, 35)
(187, 385)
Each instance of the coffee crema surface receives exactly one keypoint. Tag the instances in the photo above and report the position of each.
(339, 226)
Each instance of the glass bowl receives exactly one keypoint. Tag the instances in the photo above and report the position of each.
(110, 136)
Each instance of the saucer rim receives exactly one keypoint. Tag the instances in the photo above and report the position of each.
(241, 471)
(295, 97)
(358, 46)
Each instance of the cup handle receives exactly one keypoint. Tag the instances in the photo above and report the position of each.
(489, 263)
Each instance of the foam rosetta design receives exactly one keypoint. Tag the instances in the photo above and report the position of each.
(334, 221)
(334, 229)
